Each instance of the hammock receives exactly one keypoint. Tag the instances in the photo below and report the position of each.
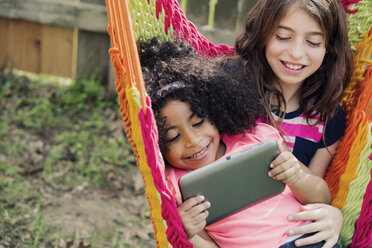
(349, 175)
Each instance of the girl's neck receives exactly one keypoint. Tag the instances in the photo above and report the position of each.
(221, 150)
(291, 94)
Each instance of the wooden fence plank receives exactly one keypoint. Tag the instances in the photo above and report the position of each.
(91, 53)
(4, 53)
(85, 16)
(24, 45)
(57, 51)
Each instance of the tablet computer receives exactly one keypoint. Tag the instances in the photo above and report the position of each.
(235, 182)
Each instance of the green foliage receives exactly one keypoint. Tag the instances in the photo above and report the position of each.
(20, 216)
(67, 130)
(35, 114)
(80, 96)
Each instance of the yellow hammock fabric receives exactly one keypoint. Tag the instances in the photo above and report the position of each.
(349, 174)
(129, 85)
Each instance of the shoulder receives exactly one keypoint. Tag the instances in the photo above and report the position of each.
(335, 127)
(258, 134)
(265, 130)
(338, 120)
(172, 176)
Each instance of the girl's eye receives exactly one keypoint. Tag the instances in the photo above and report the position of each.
(198, 124)
(314, 44)
(173, 139)
(281, 38)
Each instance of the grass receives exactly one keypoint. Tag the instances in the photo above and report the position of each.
(49, 130)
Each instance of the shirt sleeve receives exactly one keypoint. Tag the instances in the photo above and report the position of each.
(265, 131)
(335, 128)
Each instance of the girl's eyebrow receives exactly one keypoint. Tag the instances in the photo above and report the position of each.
(174, 127)
(169, 128)
(308, 33)
(191, 116)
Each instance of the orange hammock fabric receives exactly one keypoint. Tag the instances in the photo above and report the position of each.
(348, 176)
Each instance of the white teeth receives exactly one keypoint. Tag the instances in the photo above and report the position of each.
(199, 153)
(293, 67)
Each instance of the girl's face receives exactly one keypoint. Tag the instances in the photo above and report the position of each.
(192, 142)
(296, 49)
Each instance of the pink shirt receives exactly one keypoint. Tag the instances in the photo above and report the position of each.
(264, 224)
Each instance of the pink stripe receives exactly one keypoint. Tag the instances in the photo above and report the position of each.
(290, 144)
(307, 132)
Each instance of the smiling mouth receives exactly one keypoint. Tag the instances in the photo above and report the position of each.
(198, 154)
(292, 66)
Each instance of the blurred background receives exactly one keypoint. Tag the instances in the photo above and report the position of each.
(68, 38)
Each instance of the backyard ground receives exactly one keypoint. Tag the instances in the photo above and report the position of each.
(68, 177)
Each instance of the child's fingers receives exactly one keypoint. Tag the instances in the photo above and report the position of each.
(189, 203)
(201, 218)
(313, 239)
(283, 162)
(306, 228)
(285, 175)
(194, 225)
(282, 147)
(309, 212)
(197, 209)
(281, 159)
(285, 168)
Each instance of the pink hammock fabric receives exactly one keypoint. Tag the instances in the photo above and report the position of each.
(176, 235)
(347, 3)
(187, 31)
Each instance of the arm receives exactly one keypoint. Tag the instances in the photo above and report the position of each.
(193, 214)
(305, 185)
(327, 220)
(327, 223)
(202, 239)
(333, 132)
(320, 162)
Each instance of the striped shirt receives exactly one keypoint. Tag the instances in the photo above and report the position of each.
(303, 139)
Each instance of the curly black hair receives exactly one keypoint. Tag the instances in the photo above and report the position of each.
(217, 89)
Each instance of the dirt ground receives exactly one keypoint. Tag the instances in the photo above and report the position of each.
(88, 211)
(84, 211)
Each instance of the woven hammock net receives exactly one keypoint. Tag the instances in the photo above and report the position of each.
(349, 175)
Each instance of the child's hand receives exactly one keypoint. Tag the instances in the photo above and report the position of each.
(193, 214)
(327, 223)
(285, 168)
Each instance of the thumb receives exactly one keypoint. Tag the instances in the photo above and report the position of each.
(311, 206)
(178, 199)
(283, 147)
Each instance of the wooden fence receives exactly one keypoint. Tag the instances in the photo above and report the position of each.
(69, 38)
(59, 37)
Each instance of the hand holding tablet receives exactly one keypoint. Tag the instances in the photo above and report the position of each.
(234, 182)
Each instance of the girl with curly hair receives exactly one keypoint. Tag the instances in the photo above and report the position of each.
(205, 110)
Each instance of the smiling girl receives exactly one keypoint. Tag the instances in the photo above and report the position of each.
(299, 55)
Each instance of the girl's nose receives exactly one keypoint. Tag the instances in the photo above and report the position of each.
(296, 50)
(191, 139)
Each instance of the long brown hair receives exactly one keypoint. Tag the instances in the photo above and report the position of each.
(323, 89)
